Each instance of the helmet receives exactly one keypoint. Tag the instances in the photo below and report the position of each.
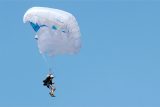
(51, 76)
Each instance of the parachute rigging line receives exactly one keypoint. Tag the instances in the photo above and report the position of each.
(45, 60)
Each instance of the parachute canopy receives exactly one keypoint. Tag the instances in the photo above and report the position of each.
(57, 31)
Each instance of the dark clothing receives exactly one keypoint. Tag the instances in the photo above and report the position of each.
(48, 81)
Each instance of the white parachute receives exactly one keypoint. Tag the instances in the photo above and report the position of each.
(57, 31)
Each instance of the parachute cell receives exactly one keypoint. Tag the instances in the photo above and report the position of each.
(57, 31)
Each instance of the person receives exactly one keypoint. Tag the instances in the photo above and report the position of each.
(48, 82)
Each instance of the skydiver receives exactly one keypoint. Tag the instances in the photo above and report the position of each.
(48, 82)
(36, 37)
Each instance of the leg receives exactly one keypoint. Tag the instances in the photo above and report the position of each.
(52, 89)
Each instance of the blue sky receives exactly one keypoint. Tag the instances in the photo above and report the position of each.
(118, 65)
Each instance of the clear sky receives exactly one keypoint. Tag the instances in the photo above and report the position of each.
(118, 65)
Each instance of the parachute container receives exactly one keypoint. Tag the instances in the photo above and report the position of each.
(57, 31)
